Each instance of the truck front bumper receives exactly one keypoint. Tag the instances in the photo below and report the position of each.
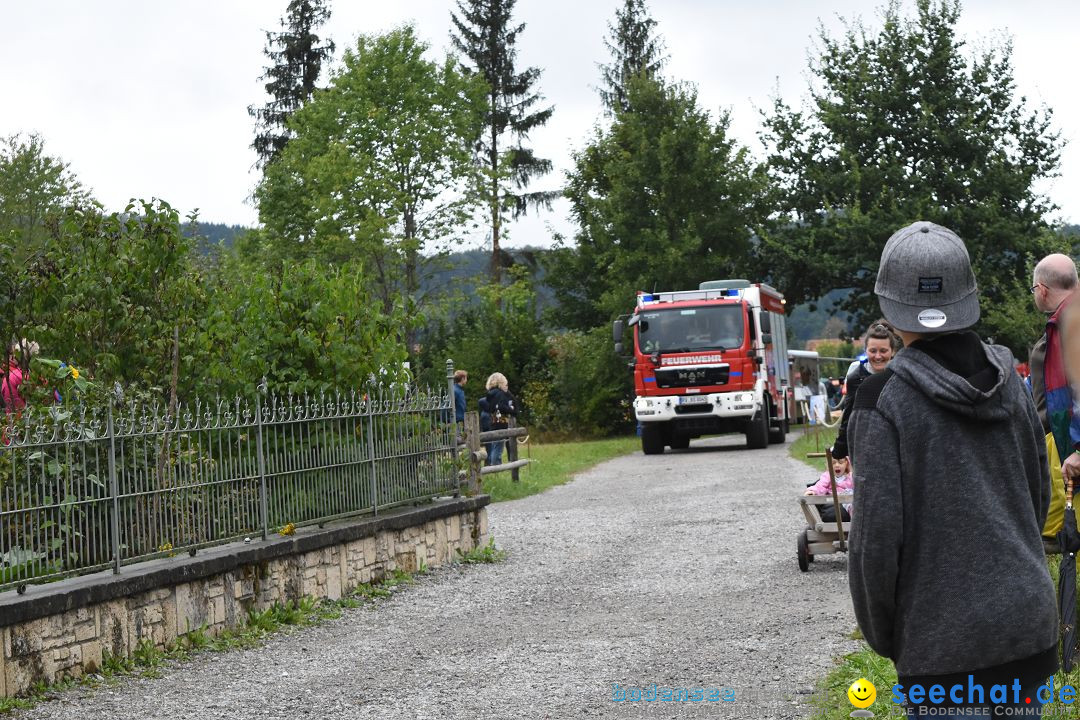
(716, 405)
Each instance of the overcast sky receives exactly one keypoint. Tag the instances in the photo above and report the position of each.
(150, 98)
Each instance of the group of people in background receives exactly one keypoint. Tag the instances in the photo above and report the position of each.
(496, 407)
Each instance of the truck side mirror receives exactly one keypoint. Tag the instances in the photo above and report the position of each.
(617, 331)
(618, 348)
(766, 338)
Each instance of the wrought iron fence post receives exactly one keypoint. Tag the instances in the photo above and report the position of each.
(113, 486)
(459, 429)
(263, 515)
(371, 453)
(453, 395)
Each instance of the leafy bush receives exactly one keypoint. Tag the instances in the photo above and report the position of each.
(306, 327)
(501, 332)
(586, 388)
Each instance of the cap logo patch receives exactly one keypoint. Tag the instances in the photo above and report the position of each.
(932, 318)
(929, 284)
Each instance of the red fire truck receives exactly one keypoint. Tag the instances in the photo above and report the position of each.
(709, 361)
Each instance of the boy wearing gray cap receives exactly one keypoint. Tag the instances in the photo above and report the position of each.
(947, 570)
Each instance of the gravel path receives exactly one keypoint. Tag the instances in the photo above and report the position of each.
(677, 570)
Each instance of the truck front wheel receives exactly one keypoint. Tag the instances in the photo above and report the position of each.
(652, 438)
(757, 430)
(776, 434)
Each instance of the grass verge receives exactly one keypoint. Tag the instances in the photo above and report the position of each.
(149, 661)
(814, 438)
(555, 463)
(830, 698)
(830, 701)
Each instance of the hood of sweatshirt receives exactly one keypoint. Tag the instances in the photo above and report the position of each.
(961, 373)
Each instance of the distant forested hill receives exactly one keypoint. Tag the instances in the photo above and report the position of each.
(460, 273)
(212, 235)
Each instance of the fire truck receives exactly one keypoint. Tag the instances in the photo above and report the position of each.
(709, 361)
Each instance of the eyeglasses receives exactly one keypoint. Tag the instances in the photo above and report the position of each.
(1035, 286)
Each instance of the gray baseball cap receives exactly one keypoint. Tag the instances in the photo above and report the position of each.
(925, 283)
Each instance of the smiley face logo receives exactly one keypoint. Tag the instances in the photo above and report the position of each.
(862, 693)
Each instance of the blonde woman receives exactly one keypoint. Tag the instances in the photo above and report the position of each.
(499, 404)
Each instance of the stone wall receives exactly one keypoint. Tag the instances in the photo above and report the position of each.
(63, 629)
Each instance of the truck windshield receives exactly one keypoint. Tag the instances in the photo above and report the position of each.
(712, 327)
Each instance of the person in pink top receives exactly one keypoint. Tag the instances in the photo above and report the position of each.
(18, 355)
(845, 485)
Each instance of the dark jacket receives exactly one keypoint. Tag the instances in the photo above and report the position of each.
(500, 404)
(459, 403)
(485, 415)
(840, 448)
(947, 571)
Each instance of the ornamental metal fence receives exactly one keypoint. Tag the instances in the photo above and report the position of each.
(83, 490)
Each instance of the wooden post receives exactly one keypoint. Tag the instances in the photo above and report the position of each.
(836, 501)
(512, 452)
(472, 441)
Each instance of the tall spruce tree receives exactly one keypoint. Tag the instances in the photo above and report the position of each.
(635, 50)
(486, 35)
(297, 58)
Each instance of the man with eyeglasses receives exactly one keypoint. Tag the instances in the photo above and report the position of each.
(1053, 284)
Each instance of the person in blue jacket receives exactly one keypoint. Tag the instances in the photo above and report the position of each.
(460, 378)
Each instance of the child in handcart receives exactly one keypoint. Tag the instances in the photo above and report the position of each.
(844, 486)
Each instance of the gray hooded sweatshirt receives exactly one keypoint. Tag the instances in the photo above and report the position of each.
(947, 570)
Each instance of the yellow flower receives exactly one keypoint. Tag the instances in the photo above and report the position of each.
(74, 373)
(289, 529)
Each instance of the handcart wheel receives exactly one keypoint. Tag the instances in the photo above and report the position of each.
(805, 558)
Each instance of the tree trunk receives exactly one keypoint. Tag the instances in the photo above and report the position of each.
(496, 215)
(412, 285)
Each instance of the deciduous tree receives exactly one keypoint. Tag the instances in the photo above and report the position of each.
(33, 184)
(381, 166)
(903, 124)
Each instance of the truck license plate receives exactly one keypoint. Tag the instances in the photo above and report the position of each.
(693, 399)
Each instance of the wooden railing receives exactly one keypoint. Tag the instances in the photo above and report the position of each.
(475, 441)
